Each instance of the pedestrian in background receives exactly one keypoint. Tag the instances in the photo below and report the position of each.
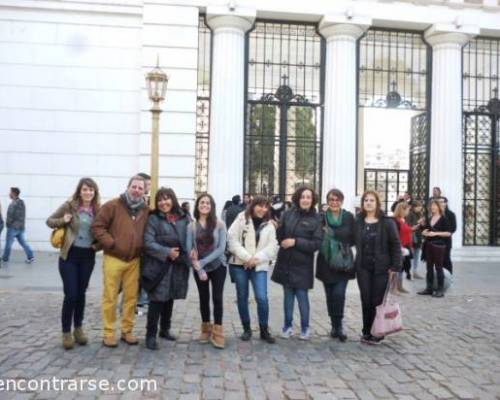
(16, 226)
(76, 256)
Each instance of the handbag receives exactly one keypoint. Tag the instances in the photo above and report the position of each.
(388, 317)
(57, 237)
(343, 261)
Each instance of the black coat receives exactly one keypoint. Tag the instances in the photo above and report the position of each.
(442, 225)
(387, 246)
(344, 234)
(232, 212)
(159, 238)
(295, 266)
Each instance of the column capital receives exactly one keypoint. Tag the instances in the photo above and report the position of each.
(344, 25)
(240, 18)
(439, 34)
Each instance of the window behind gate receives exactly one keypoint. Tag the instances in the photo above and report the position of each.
(283, 132)
(203, 106)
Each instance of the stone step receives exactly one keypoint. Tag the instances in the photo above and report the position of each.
(476, 254)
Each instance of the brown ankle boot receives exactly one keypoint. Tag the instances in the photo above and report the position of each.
(218, 336)
(80, 336)
(68, 341)
(206, 332)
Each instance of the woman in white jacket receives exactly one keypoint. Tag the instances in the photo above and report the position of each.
(253, 247)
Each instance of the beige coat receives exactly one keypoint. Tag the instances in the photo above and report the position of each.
(241, 240)
(56, 220)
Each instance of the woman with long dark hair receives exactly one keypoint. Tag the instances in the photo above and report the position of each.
(206, 244)
(165, 268)
(253, 247)
(76, 256)
(378, 258)
(436, 231)
(338, 225)
(299, 235)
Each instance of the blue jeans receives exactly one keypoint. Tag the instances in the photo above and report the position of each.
(416, 258)
(241, 278)
(75, 273)
(303, 300)
(9, 241)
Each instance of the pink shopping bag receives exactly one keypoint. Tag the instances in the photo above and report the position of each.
(388, 317)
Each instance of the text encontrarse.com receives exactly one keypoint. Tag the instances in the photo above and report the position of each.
(80, 384)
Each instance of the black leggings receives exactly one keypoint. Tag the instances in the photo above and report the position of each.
(372, 288)
(217, 277)
(435, 257)
(161, 311)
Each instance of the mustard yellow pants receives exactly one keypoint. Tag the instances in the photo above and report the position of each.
(125, 274)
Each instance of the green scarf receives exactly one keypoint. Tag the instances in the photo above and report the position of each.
(330, 245)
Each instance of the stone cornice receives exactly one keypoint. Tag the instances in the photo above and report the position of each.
(222, 17)
(440, 34)
(343, 25)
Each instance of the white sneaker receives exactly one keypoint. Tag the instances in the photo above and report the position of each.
(305, 335)
(286, 333)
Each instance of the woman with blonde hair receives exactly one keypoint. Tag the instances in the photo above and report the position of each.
(77, 256)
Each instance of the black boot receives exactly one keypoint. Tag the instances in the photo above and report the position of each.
(247, 332)
(165, 334)
(266, 335)
(337, 331)
(151, 343)
(430, 282)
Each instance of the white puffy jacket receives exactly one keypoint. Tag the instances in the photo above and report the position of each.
(241, 241)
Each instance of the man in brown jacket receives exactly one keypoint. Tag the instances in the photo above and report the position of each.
(119, 227)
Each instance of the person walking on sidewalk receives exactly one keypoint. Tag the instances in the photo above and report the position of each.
(299, 235)
(1, 229)
(253, 247)
(206, 243)
(16, 225)
(378, 256)
(119, 227)
(76, 256)
(165, 267)
(339, 231)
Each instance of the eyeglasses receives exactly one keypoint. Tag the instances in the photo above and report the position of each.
(334, 200)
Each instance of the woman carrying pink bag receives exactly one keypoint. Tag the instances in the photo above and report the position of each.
(378, 259)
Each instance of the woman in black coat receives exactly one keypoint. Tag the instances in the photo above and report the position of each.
(339, 228)
(165, 270)
(378, 258)
(437, 233)
(299, 235)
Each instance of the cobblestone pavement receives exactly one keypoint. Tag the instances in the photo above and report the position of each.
(450, 348)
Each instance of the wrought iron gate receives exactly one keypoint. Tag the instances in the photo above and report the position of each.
(283, 132)
(419, 158)
(481, 179)
(481, 146)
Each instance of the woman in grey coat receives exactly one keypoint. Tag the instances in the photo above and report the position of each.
(165, 270)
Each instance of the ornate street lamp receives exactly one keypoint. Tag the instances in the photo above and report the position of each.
(157, 82)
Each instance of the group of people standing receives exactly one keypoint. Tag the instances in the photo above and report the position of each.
(154, 247)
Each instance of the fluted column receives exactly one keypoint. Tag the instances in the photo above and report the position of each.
(339, 136)
(446, 159)
(225, 171)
